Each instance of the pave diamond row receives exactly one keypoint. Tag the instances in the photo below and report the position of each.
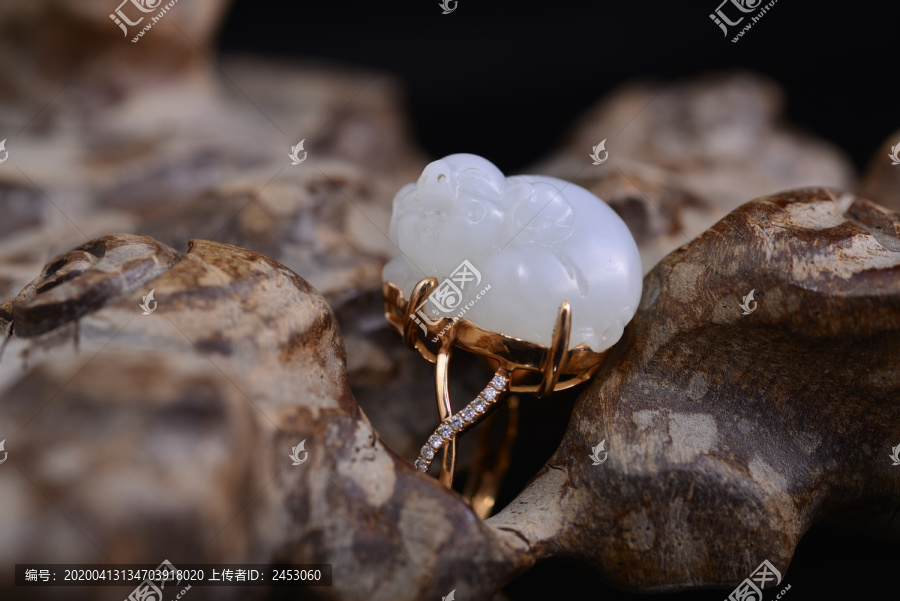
(455, 424)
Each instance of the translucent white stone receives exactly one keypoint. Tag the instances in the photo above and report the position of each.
(534, 241)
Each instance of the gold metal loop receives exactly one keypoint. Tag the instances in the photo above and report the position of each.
(485, 477)
(442, 394)
(555, 368)
(559, 351)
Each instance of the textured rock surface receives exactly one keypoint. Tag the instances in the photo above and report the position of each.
(46, 45)
(164, 138)
(134, 438)
(95, 274)
(173, 440)
(716, 464)
(202, 153)
(712, 464)
(881, 180)
(115, 136)
(683, 154)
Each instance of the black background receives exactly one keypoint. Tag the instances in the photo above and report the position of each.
(507, 81)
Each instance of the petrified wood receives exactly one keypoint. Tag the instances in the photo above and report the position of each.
(729, 435)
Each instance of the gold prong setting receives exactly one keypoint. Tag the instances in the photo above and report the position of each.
(456, 424)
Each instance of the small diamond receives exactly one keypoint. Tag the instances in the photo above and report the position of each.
(499, 382)
(479, 404)
(435, 441)
(421, 465)
(445, 431)
(489, 393)
(468, 414)
(456, 423)
(427, 452)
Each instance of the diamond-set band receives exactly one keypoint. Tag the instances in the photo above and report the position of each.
(458, 423)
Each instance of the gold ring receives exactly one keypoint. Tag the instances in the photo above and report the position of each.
(523, 368)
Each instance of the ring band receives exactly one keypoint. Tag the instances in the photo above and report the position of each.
(520, 363)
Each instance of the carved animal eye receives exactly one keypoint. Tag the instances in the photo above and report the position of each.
(474, 210)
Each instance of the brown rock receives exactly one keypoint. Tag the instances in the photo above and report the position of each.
(168, 435)
(695, 150)
(719, 454)
(729, 435)
(85, 279)
(881, 180)
(45, 43)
